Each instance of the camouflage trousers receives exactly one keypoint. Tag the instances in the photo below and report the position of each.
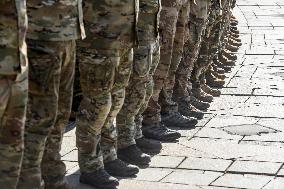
(172, 30)
(192, 44)
(208, 49)
(51, 76)
(138, 93)
(104, 75)
(225, 23)
(13, 101)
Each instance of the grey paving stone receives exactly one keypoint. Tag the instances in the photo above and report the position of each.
(215, 187)
(271, 137)
(71, 156)
(230, 149)
(277, 183)
(262, 143)
(180, 149)
(129, 184)
(226, 103)
(152, 174)
(249, 130)
(208, 132)
(70, 165)
(187, 133)
(205, 164)
(255, 167)
(261, 110)
(166, 161)
(242, 181)
(281, 172)
(68, 145)
(221, 121)
(192, 177)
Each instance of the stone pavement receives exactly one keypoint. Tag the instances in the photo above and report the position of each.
(240, 143)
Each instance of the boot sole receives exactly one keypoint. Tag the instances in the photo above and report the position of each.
(129, 174)
(103, 186)
(134, 163)
(145, 150)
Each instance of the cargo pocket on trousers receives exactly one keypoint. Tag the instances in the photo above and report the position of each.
(97, 76)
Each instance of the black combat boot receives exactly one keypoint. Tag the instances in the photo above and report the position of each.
(118, 168)
(234, 43)
(201, 95)
(225, 61)
(235, 35)
(176, 119)
(132, 154)
(160, 132)
(232, 48)
(188, 110)
(237, 39)
(229, 55)
(200, 105)
(63, 185)
(211, 91)
(218, 69)
(213, 81)
(99, 179)
(233, 23)
(218, 75)
(219, 64)
(149, 145)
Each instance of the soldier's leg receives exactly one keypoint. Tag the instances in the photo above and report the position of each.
(109, 133)
(183, 86)
(97, 75)
(97, 72)
(149, 89)
(168, 105)
(145, 144)
(135, 98)
(53, 169)
(13, 101)
(153, 128)
(45, 60)
(168, 20)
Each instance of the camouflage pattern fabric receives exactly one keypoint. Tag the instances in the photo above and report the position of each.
(65, 23)
(167, 103)
(225, 23)
(209, 47)
(197, 22)
(146, 59)
(138, 93)
(52, 57)
(104, 76)
(149, 89)
(168, 22)
(13, 89)
(109, 23)
(105, 62)
(50, 80)
(53, 168)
